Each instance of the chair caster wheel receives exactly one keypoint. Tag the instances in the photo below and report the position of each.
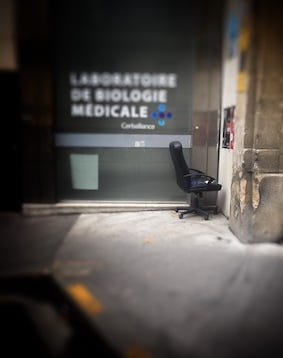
(181, 216)
(206, 217)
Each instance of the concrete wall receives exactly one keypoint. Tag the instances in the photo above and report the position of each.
(257, 184)
(35, 58)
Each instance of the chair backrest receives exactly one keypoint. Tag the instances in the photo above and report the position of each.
(180, 165)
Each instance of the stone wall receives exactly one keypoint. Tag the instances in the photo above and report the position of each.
(257, 184)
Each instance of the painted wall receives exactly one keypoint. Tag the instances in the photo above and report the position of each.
(229, 100)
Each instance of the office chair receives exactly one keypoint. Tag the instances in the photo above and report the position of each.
(192, 181)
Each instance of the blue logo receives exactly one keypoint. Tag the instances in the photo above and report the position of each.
(161, 115)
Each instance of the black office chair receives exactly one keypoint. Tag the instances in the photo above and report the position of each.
(192, 181)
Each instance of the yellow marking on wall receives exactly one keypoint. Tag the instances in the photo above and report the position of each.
(245, 38)
(136, 351)
(85, 299)
(242, 81)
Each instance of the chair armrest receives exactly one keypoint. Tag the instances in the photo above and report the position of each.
(197, 171)
(207, 177)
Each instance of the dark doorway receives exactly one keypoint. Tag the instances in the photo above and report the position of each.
(10, 181)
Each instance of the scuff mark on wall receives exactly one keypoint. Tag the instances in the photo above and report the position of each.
(234, 204)
(256, 193)
(242, 193)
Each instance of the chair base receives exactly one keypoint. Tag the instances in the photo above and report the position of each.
(196, 208)
(202, 211)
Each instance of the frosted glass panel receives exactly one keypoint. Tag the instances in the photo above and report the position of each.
(84, 171)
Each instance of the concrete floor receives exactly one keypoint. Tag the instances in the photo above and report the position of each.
(153, 285)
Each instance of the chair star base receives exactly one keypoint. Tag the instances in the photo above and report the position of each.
(196, 209)
(202, 211)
